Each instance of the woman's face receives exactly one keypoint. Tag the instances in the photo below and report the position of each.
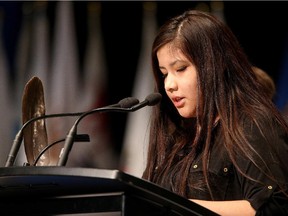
(180, 80)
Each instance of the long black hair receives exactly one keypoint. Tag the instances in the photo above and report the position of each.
(229, 94)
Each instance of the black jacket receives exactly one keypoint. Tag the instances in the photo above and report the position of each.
(227, 183)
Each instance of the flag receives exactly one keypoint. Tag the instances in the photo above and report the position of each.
(99, 152)
(62, 95)
(31, 57)
(281, 100)
(38, 66)
(6, 111)
(39, 63)
(134, 151)
(23, 56)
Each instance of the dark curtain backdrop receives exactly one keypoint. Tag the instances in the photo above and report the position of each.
(260, 26)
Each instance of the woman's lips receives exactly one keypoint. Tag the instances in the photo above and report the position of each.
(178, 102)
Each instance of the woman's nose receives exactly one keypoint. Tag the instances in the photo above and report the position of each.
(170, 83)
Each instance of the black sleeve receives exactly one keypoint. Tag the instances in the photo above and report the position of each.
(277, 204)
(264, 194)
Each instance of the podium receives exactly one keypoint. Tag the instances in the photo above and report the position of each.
(87, 191)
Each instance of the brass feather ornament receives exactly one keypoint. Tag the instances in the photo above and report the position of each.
(35, 134)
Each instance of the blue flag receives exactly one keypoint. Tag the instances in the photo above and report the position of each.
(281, 99)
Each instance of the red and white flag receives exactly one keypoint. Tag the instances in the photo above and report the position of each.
(62, 96)
(98, 153)
(133, 156)
(6, 108)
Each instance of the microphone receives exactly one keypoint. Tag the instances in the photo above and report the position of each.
(126, 102)
(78, 138)
(150, 100)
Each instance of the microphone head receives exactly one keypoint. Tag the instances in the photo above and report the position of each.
(153, 99)
(128, 102)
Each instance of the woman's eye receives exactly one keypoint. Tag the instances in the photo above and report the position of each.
(164, 76)
(182, 69)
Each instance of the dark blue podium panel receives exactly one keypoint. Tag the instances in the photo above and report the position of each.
(87, 191)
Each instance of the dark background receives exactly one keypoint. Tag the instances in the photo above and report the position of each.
(261, 27)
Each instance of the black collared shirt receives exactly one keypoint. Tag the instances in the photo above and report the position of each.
(227, 183)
